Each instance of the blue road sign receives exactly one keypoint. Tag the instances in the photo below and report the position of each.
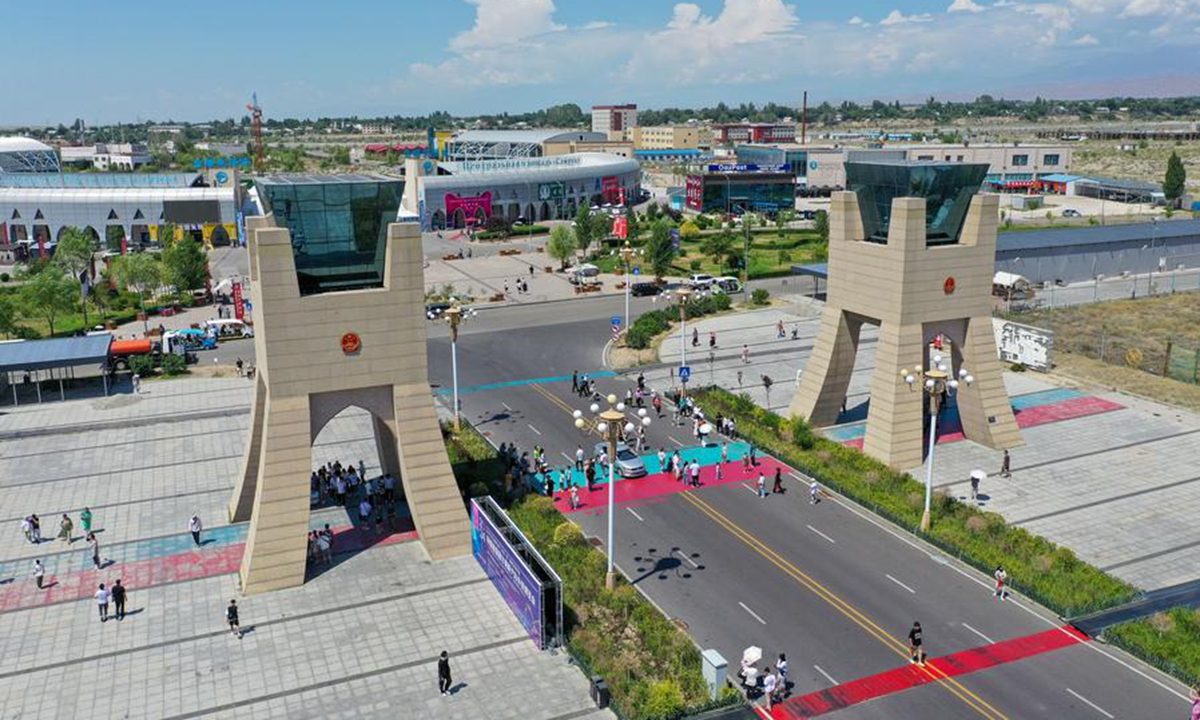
(616, 320)
(637, 271)
(685, 373)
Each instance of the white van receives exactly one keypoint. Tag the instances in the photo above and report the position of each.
(229, 328)
(727, 284)
(585, 274)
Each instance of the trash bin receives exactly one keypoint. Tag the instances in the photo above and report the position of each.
(600, 692)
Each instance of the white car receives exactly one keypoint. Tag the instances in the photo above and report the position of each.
(1071, 212)
(701, 281)
(229, 328)
(726, 284)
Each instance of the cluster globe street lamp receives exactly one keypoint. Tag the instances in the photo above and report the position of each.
(682, 295)
(628, 252)
(939, 384)
(454, 316)
(609, 424)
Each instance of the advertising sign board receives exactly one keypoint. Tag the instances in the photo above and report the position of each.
(508, 573)
(1031, 346)
(239, 305)
(695, 193)
(469, 205)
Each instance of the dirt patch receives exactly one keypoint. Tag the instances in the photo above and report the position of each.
(623, 358)
(1074, 369)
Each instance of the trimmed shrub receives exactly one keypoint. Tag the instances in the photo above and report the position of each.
(141, 365)
(568, 533)
(760, 296)
(174, 365)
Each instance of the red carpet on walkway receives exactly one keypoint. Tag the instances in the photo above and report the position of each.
(909, 676)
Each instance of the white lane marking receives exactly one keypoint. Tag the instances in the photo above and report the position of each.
(688, 560)
(749, 488)
(631, 512)
(810, 527)
(799, 477)
(1091, 704)
(677, 443)
(827, 675)
(539, 432)
(752, 613)
(570, 460)
(985, 637)
(988, 584)
(889, 577)
(506, 407)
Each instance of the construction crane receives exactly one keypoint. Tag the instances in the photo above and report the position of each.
(256, 128)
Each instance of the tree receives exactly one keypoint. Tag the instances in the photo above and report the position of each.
(74, 255)
(561, 245)
(719, 247)
(634, 228)
(47, 295)
(8, 316)
(602, 225)
(184, 265)
(583, 227)
(689, 230)
(140, 273)
(783, 217)
(821, 225)
(660, 251)
(1173, 183)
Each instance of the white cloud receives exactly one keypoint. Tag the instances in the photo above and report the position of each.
(1085, 41)
(505, 22)
(965, 6)
(597, 25)
(896, 17)
(856, 20)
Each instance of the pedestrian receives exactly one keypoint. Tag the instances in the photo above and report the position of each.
(444, 673)
(66, 529)
(94, 544)
(762, 485)
(745, 360)
(574, 498)
(724, 452)
(118, 597)
(37, 528)
(752, 453)
(641, 381)
(548, 485)
(814, 493)
(656, 402)
(27, 528)
(694, 468)
(364, 513)
(194, 527)
(102, 602)
(781, 667)
(579, 455)
(662, 460)
(324, 549)
(779, 333)
(589, 472)
(1006, 465)
(769, 683)
(695, 337)
(239, 366)
(1001, 580)
(777, 487)
(137, 384)
(712, 339)
(575, 381)
(39, 572)
(915, 642)
(975, 486)
(85, 520)
(231, 617)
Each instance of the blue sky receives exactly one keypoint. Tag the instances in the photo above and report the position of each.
(126, 60)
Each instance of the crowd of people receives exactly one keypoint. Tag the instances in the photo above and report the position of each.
(372, 500)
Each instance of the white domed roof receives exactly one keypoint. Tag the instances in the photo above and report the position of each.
(22, 144)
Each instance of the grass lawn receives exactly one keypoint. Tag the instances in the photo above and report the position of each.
(771, 254)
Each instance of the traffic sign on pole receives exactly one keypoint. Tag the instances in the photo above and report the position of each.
(616, 328)
(685, 373)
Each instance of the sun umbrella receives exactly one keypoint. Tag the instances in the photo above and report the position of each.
(751, 655)
(978, 475)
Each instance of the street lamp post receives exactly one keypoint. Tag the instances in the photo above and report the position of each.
(682, 295)
(939, 383)
(627, 253)
(454, 316)
(609, 425)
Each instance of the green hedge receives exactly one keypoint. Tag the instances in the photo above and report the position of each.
(651, 324)
(518, 231)
(1169, 641)
(1050, 574)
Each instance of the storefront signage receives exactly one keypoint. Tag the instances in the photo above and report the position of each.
(695, 193)
(739, 168)
(469, 205)
(239, 306)
(610, 188)
(489, 166)
(510, 575)
(550, 191)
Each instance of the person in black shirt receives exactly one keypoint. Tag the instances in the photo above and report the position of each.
(118, 596)
(444, 673)
(231, 614)
(914, 642)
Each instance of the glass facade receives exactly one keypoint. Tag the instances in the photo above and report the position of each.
(946, 187)
(338, 225)
(749, 192)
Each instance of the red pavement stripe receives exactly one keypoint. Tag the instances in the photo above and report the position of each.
(660, 484)
(907, 677)
(181, 567)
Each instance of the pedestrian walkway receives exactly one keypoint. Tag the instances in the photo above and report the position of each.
(935, 670)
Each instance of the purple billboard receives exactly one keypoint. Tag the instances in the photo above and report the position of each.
(508, 572)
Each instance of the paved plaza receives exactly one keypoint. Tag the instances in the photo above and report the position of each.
(359, 639)
(1111, 476)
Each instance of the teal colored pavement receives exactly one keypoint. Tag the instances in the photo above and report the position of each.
(708, 455)
(519, 383)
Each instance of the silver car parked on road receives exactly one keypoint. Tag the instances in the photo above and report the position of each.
(629, 465)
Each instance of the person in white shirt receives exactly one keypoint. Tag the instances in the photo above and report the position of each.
(662, 460)
(781, 667)
(194, 527)
(39, 572)
(364, 512)
(102, 602)
(27, 528)
(762, 484)
(769, 683)
(814, 493)
(579, 458)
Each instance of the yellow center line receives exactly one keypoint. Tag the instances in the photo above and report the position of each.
(900, 648)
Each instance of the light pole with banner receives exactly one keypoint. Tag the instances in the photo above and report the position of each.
(938, 382)
(627, 253)
(454, 316)
(609, 425)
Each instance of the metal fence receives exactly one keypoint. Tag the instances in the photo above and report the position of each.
(1183, 363)
(1120, 287)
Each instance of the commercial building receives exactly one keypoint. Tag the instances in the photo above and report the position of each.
(551, 188)
(26, 155)
(109, 156)
(738, 189)
(505, 144)
(672, 137)
(36, 208)
(624, 148)
(614, 121)
(734, 133)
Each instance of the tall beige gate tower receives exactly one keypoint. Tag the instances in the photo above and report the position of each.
(339, 321)
(912, 250)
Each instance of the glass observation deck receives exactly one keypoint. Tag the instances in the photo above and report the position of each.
(338, 225)
(946, 187)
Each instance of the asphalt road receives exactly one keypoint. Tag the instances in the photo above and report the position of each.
(830, 585)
